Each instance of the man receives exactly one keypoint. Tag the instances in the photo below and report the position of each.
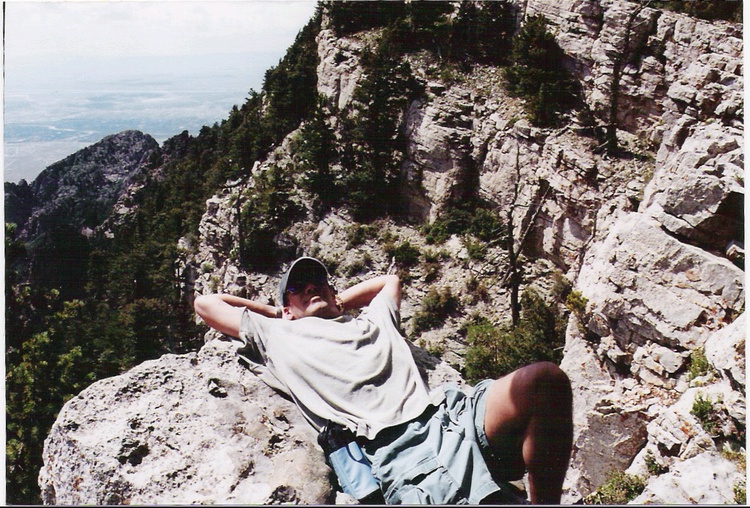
(440, 446)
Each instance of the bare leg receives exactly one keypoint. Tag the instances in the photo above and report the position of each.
(529, 421)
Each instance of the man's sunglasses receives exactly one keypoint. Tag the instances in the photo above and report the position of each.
(299, 286)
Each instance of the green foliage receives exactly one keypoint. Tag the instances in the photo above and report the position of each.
(735, 452)
(266, 211)
(358, 265)
(473, 32)
(131, 304)
(698, 365)
(477, 289)
(357, 234)
(708, 10)
(495, 351)
(315, 151)
(15, 254)
(653, 466)
(619, 488)
(348, 17)
(411, 25)
(476, 250)
(487, 356)
(561, 287)
(436, 349)
(474, 220)
(740, 493)
(59, 258)
(537, 73)
(373, 146)
(436, 307)
(404, 254)
(57, 349)
(704, 412)
(291, 85)
(482, 32)
(576, 303)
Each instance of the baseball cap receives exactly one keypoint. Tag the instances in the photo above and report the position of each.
(304, 269)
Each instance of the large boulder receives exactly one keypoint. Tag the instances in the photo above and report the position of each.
(697, 193)
(703, 479)
(653, 301)
(198, 428)
(644, 285)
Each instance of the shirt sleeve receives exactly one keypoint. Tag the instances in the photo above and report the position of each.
(253, 334)
(253, 348)
(385, 306)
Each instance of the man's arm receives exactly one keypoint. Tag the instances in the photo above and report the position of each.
(224, 312)
(360, 295)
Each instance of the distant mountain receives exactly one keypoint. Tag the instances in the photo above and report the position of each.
(79, 191)
(69, 200)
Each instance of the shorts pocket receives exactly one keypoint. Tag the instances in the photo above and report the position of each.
(426, 483)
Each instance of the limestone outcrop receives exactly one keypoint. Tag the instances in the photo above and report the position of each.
(198, 428)
(79, 191)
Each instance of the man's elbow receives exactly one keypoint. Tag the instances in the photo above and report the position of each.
(392, 280)
(202, 305)
(393, 285)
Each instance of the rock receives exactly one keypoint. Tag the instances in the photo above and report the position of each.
(339, 70)
(191, 429)
(704, 479)
(609, 419)
(697, 192)
(725, 351)
(438, 155)
(652, 300)
(651, 287)
(198, 428)
(675, 65)
(652, 242)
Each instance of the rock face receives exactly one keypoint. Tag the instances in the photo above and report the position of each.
(192, 429)
(652, 242)
(81, 189)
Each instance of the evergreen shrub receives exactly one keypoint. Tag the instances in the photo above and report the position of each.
(619, 488)
(474, 220)
(495, 351)
(538, 75)
(436, 307)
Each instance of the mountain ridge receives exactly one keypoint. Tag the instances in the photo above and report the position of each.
(83, 186)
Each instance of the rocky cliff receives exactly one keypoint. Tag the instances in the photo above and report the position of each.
(651, 239)
(80, 190)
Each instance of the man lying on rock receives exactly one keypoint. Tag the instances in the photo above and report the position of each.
(356, 382)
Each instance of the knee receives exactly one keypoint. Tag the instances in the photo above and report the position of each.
(550, 383)
(551, 373)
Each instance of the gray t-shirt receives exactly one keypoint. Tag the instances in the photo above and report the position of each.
(358, 372)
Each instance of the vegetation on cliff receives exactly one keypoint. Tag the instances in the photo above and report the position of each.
(129, 303)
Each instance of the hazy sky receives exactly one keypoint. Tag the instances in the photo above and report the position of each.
(42, 31)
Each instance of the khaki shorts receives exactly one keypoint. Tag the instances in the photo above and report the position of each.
(439, 458)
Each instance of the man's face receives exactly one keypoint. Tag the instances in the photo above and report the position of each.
(310, 296)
